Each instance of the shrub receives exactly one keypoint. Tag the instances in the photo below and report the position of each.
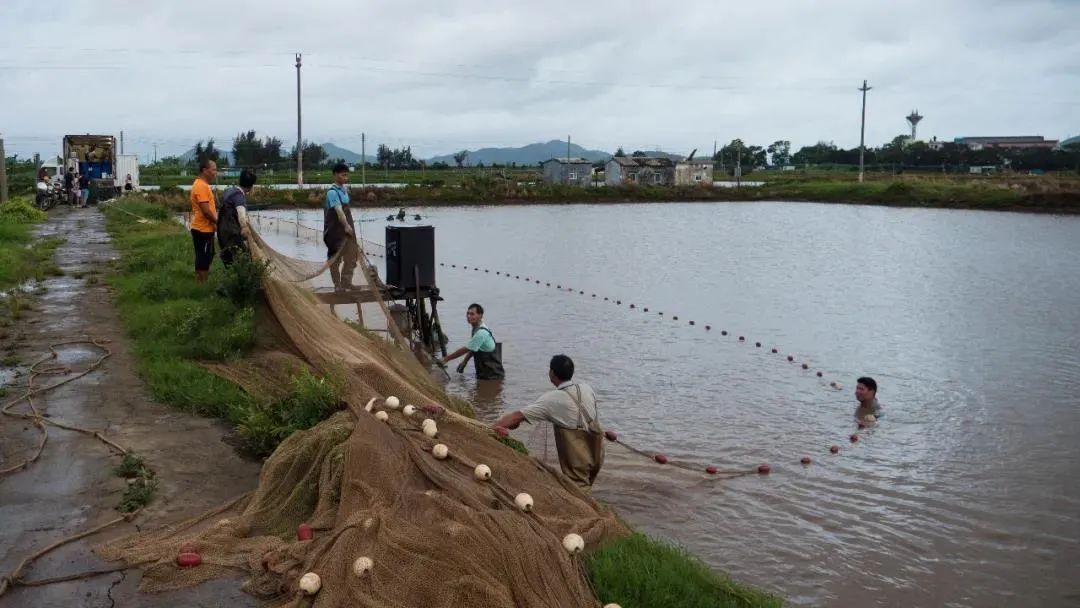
(20, 211)
(242, 281)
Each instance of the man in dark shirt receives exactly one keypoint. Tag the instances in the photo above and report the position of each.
(232, 227)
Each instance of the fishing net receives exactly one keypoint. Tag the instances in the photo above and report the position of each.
(437, 535)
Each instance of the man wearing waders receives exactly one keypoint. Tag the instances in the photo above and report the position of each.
(482, 348)
(571, 410)
(341, 247)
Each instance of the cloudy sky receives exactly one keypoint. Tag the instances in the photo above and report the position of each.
(453, 74)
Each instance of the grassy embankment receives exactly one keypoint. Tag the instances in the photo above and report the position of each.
(174, 323)
(23, 261)
(1048, 193)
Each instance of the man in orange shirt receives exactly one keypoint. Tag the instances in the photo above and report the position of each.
(204, 219)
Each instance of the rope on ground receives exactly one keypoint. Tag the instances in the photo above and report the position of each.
(12, 579)
(40, 421)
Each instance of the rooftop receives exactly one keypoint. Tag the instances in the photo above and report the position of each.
(572, 161)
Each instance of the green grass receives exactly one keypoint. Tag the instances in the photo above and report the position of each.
(175, 323)
(22, 258)
(639, 572)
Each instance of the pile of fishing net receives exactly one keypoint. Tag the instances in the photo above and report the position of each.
(369, 486)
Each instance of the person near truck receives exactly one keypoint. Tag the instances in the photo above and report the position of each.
(69, 187)
(128, 186)
(339, 236)
(84, 190)
(232, 225)
(204, 218)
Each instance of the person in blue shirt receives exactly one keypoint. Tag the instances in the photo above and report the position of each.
(482, 348)
(338, 233)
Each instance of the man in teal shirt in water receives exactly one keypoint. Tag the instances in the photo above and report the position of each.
(481, 348)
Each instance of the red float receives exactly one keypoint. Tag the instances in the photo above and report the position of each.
(805, 366)
(711, 470)
(805, 460)
(790, 358)
(742, 339)
(819, 374)
(611, 435)
(774, 351)
(303, 532)
(660, 458)
(862, 425)
(691, 322)
(854, 438)
(188, 560)
(763, 469)
(631, 306)
(835, 449)
(723, 332)
(675, 318)
(708, 327)
(757, 344)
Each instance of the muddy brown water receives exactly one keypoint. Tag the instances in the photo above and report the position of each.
(965, 494)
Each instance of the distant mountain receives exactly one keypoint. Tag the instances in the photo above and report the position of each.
(525, 155)
(190, 155)
(334, 152)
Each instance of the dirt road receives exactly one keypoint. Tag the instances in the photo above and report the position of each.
(72, 487)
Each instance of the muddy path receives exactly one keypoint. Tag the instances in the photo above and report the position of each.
(72, 487)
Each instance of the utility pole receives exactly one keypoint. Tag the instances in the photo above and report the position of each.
(738, 166)
(3, 174)
(862, 130)
(121, 142)
(299, 132)
(568, 148)
(714, 149)
(363, 159)
(155, 152)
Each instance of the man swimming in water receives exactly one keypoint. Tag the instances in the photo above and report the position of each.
(866, 394)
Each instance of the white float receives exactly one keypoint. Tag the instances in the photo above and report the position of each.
(524, 502)
(392, 402)
(482, 472)
(408, 410)
(310, 583)
(383, 416)
(362, 566)
(440, 451)
(573, 543)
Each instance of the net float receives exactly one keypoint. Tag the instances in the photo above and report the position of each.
(573, 543)
(482, 472)
(408, 410)
(854, 438)
(310, 583)
(675, 318)
(188, 559)
(805, 366)
(774, 351)
(742, 338)
(660, 458)
(819, 374)
(646, 309)
(612, 605)
(611, 435)
(805, 460)
(440, 451)
(631, 306)
(303, 532)
(524, 502)
(382, 416)
(862, 425)
(763, 469)
(691, 322)
(431, 430)
(392, 402)
(790, 358)
(711, 470)
(362, 566)
(723, 332)
(834, 449)
(708, 327)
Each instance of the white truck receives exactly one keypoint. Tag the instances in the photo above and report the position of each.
(96, 156)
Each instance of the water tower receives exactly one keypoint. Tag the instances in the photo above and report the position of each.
(913, 120)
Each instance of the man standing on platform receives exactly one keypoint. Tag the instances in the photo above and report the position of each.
(339, 236)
